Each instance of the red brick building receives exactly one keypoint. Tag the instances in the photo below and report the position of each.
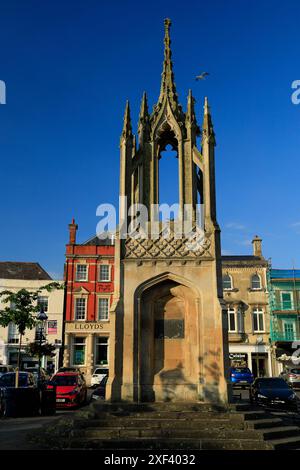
(89, 275)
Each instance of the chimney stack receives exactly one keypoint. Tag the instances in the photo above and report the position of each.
(257, 250)
(72, 231)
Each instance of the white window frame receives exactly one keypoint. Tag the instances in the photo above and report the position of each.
(12, 333)
(259, 313)
(260, 284)
(75, 308)
(231, 311)
(291, 297)
(73, 350)
(238, 320)
(109, 273)
(231, 282)
(76, 272)
(104, 366)
(98, 307)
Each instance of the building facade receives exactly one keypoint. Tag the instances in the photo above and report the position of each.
(284, 291)
(30, 276)
(245, 290)
(89, 275)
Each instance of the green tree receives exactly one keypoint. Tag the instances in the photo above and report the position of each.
(22, 309)
(36, 349)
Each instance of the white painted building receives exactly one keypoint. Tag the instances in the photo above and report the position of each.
(31, 276)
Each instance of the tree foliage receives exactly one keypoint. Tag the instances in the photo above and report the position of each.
(36, 349)
(22, 306)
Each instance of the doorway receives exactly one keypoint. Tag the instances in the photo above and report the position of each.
(260, 365)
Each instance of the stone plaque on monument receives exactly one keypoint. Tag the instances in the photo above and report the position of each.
(169, 329)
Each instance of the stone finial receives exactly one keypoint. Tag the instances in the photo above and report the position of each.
(207, 127)
(190, 114)
(127, 128)
(168, 87)
(144, 122)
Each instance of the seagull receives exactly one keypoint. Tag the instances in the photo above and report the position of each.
(202, 76)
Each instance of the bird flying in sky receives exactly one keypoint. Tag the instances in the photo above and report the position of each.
(202, 76)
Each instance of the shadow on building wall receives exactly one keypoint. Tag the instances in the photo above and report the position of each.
(172, 380)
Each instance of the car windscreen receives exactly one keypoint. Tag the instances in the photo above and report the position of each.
(8, 380)
(295, 371)
(3, 369)
(241, 370)
(101, 371)
(65, 380)
(104, 380)
(272, 383)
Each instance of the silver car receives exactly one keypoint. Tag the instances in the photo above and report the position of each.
(292, 376)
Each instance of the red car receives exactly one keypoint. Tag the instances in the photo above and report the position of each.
(71, 389)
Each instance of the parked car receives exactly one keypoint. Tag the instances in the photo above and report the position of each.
(21, 401)
(26, 379)
(4, 369)
(292, 376)
(273, 392)
(71, 369)
(97, 376)
(241, 377)
(35, 371)
(99, 392)
(71, 389)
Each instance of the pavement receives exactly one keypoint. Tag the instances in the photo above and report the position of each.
(13, 431)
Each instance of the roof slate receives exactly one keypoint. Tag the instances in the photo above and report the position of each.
(23, 270)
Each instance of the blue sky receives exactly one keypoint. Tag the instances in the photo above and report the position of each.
(69, 68)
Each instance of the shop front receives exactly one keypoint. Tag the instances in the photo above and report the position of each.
(256, 357)
(238, 359)
(87, 347)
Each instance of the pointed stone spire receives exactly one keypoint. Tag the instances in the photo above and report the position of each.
(190, 113)
(143, 124)
(190, 116)
(207, 127)
(168, 87)
(127, 128)
(144, 107)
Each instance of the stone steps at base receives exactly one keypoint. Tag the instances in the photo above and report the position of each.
(250, 415)
(170, 444)
(153, 423)
(280, 432)
(160, 406)
(263, 423)
(171, 415)
(207, 433)
(286, 443)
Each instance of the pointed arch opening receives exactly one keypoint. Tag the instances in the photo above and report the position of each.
(166, 315)
(168, 174)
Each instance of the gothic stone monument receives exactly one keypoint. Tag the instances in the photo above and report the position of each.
(170, 322)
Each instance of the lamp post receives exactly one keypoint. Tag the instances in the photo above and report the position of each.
(42, 318)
